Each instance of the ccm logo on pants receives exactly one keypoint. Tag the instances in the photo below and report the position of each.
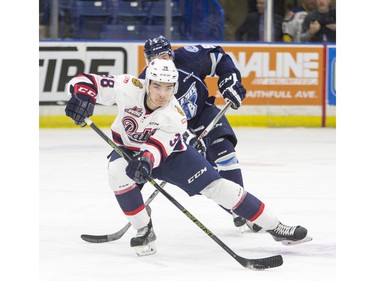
(198, 174)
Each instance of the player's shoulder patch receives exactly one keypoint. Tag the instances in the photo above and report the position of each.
(192, 49)
(126, 79)
(137, 83)
(179, 110)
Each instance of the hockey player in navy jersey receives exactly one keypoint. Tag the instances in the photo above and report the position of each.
(149, 126)
(194, 64)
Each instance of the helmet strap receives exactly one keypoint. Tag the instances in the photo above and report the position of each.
(149, 98)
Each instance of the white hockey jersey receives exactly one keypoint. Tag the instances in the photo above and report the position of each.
(135, 127)
(292, 26)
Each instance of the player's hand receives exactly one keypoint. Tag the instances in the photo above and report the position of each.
(231, 89)
(190, 138)
(139, 169)
(79, 107)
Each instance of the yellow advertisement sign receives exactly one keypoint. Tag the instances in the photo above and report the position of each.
(274, 74)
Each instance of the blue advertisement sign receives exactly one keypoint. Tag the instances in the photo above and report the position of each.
(331, 75)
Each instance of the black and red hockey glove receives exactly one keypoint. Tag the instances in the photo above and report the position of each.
(81, 104)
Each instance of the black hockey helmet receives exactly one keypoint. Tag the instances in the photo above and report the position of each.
(157, 46)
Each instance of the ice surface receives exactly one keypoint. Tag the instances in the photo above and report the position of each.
(292, 170)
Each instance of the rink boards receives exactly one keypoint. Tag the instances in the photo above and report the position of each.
(287, 85)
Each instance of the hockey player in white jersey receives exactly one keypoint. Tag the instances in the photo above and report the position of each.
(194, 64)
(149, 127)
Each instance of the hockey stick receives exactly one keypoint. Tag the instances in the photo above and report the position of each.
(213, 123)
(117, 235)
(262, 263)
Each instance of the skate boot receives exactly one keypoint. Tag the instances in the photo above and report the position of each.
(289, 235)
(240, 222)
(253, 226)
(143, 242)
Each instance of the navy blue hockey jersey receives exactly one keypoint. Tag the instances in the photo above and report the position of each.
(194, 63)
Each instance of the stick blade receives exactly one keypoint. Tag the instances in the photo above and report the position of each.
(263, 263)
(95, 238)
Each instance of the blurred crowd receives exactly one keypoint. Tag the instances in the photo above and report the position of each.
(292, 20)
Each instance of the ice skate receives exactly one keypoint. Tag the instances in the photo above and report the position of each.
(143, 242)
(253, 226)
(241, 223)
(238, 221)
(289, 235)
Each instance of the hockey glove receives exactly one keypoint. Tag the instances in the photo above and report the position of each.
(79, 106)
(139, 169)
(231, 89)
(190, 138)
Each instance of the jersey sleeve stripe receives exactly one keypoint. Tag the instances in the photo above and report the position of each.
(155, 151)
(159, 146)
(93, 81)
(215, 59)
(117, 138)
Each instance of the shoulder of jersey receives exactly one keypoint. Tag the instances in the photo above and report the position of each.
(133, 81)
(176, 108)
(188, 49)
(173, 109)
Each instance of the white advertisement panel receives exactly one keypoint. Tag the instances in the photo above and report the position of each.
(61, 61)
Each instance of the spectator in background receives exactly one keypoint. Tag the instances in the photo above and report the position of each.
(252, 29)
(292, 24)
(278, 6)
(320, 24)
(44, 18)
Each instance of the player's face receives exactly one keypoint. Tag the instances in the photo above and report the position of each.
(160, 94)
(164, 56)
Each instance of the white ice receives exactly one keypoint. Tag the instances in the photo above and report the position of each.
(292, 170)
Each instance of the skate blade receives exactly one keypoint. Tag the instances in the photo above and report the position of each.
(242, 228)
(145, 250)
(290, 242)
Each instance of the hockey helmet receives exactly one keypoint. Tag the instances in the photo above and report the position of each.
(157, 46)
(162, 71)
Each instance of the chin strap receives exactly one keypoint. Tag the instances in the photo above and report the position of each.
(149, 98)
